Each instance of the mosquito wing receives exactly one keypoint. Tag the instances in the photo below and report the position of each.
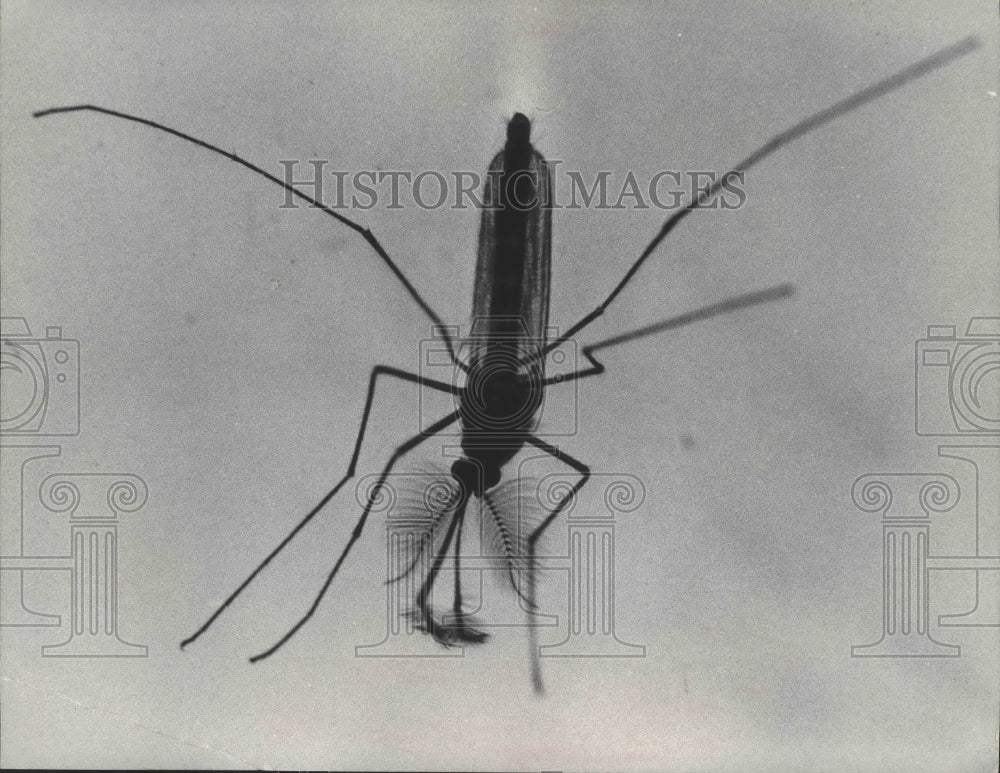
(511, 296)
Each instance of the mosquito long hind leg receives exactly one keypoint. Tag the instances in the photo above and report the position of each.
(377, 371)
(403, 449)
(366, 234)
(816, 120)
(584, 470)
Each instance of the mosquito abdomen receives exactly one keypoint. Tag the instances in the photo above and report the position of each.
(511, 296)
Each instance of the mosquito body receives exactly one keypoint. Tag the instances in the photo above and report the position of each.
(499, 403)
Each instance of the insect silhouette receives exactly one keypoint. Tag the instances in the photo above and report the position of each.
(498, 405)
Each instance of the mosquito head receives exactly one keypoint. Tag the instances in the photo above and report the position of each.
(475, 477)
(519, 131)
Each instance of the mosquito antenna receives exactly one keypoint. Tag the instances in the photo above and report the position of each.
(365, 233)
(880, 89)
(433, 518)
(507, 545)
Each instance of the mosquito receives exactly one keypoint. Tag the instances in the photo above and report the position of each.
(498, 405)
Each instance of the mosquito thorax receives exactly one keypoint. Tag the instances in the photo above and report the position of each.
(501, 394)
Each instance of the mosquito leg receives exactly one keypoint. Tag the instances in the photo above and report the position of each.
(462, 626)
(876, 91)
(584, 470)
(459, 630)
(426, 615)
(596, 369)
(735, 303)
(378, 370)
(403, 449)
(366, 234)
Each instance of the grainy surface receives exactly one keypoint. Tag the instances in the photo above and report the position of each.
(226, 342)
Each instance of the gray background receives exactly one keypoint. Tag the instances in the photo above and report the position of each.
(231, 378)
